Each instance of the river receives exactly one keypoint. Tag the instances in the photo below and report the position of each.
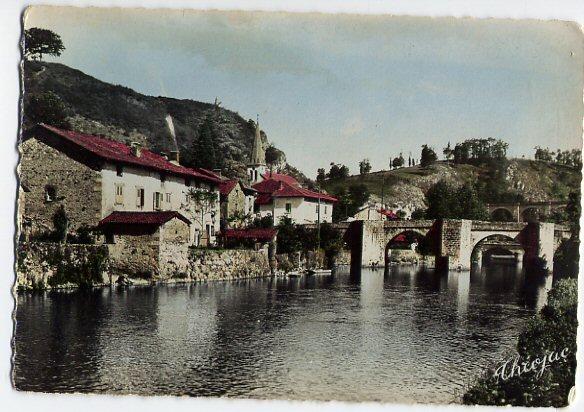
(408, 335)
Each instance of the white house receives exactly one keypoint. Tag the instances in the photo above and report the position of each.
(92, 177)
(281, 195)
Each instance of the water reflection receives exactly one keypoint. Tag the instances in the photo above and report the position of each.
(407, 334)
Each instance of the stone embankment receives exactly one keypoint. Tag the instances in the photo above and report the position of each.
(53, 265)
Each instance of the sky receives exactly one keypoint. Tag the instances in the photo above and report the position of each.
(341, 88)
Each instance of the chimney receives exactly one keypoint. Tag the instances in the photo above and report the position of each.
(174, 157)
(136, 148)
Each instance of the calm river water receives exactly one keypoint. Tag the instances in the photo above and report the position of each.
(409, 335)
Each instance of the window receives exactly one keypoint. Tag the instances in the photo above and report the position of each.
(325, 210)
(119, 170)
(119, 200)
(139, 198)
(212, 230)
(317, 208)
(50, 194)
(110, 238)
(288, 207)
(157, 200)
(168, 198)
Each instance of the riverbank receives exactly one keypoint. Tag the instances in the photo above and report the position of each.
(53, 265)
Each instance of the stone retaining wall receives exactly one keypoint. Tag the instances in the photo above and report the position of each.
(228, 264)
(53, 265)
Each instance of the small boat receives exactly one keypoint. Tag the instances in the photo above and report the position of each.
(294, 274)
(322, 272)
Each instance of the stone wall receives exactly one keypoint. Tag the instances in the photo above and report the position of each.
(77, 188)
(288, 262)
(53, 265)
(50, 265)
(136, 256)
(227, 264)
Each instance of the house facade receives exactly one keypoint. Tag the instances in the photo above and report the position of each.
(91, 177)
(282, 196)
(237, 203)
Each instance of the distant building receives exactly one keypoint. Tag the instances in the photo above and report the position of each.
(281, 196)
(237, 203)
(94, 178)
(375, 211)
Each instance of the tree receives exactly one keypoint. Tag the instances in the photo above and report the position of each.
(61, 224)
(41, 41)
(359, 195)
(274, 156)
(448, 202)
(45, 108)
(203, 153)
(398, 162)
(428, 156)
(320, 175)
(364, 167)
(553, 330)
(338, 171)
(350, 201)
(199, 204)
(448, 152)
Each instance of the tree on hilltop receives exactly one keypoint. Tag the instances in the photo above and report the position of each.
(428, 156)
(364, 167)
(38, 42)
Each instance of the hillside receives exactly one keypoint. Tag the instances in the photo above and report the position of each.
(96, 107)
(534, 180)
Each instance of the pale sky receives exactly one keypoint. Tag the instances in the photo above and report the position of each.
(344, 87)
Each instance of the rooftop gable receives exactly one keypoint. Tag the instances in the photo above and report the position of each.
(118, 152)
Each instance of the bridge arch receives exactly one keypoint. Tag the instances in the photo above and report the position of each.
(500, 246)
(407, 242)
(502, 214)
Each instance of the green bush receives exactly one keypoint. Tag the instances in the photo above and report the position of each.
(552, 330)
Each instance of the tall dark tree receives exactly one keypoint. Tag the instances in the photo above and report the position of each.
(428, 156)
(204, 154)
(38, 42)
(320, 175)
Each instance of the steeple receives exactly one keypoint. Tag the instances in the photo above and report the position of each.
(258, 154)
(257, 164)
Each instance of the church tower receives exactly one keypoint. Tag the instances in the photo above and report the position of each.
(257, 164)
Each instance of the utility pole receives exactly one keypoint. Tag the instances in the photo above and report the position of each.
(318, 225)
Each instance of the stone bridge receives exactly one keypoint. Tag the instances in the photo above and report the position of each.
(452, 241)
(522, 212)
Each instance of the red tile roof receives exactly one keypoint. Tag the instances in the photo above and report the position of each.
(226, 186)
(119, 152)
(277, 188)
(251, 233)
(141, 218)
(278, 177)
